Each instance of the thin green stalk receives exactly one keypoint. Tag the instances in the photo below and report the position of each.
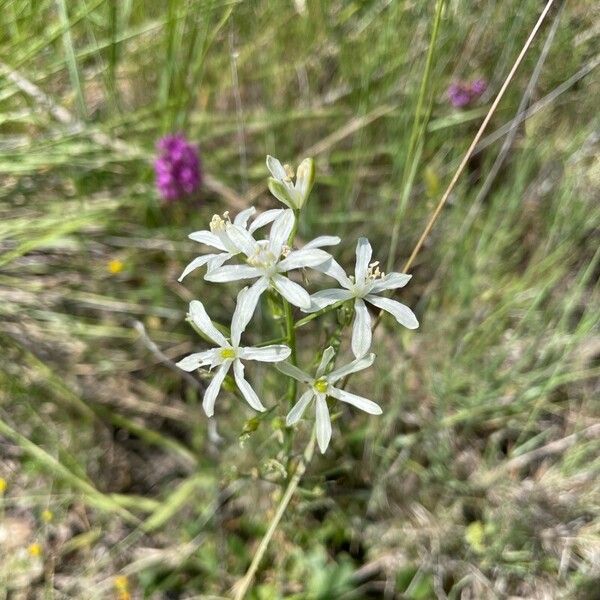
(418, 130)
(290, 334)
(246, 582)
(319, 313)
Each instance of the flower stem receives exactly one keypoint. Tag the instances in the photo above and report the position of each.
(318, 314)
(246, 582)
(418, 130)
(290, 333)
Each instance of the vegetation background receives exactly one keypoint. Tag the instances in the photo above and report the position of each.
(481, 478)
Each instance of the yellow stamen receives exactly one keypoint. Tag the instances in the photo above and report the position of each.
(228, 353)
(289, 172)
(218, 223)
(321, 385)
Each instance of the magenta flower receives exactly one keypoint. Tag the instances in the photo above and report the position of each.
(177, 168)
(462, 93)
(478, 87)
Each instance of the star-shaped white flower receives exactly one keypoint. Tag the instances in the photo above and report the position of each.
(364, 286)
(269, 259)
(217, 237)
(228, 353)
(292, 194)
(320, 386)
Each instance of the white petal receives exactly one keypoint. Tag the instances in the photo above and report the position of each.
(363, 258)
(202, 321)
(294, 372)
(299, 259)
(283, 192)
(399, 311)
(391, 281)
(356, 365)
(299, 408)
(198, 262)
(272, 354)
(305, 178)
(208, 402)
(292, 292)
(232, 273)
(208, 238)
(323, 425)
(246, 389)
(328, 354)
(363, 403)
(242, 240)
(218, 260)
(196, 360)
(241, 219)
(325, 298)
(323, 240)
(280, 231)
(361, 329)
(333, 269)
(276, 168)
(265, 218)
(245, 307)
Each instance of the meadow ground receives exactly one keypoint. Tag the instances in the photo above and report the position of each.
(480, 480)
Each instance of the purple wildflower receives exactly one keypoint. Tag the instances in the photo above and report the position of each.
(458, 94)
(177, 168)
(462, 93)
(478, 87)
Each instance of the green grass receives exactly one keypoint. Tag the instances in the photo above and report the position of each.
(480, 478)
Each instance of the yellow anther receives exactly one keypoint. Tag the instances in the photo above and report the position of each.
(219, 223)
(373, 271)
(227, 353)
(289, 172)
(285, 250)
(321, 385)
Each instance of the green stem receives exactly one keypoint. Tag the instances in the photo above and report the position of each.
(418, 131)
(290, 333)
(319, 313)
(246, 582)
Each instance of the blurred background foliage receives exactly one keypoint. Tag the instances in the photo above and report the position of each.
(481, 478)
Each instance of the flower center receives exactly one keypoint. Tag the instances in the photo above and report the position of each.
(227, 353)
(363, 287)
(321, 385)
(263, 258)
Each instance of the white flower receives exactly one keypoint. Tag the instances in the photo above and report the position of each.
(217, 237)
(320, 386)
(365, 286)
(284, 189)
(268, 259)
(230, 353)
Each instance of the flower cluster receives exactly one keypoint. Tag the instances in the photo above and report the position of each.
(240, 255)
(177, 168)
(461, 93)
